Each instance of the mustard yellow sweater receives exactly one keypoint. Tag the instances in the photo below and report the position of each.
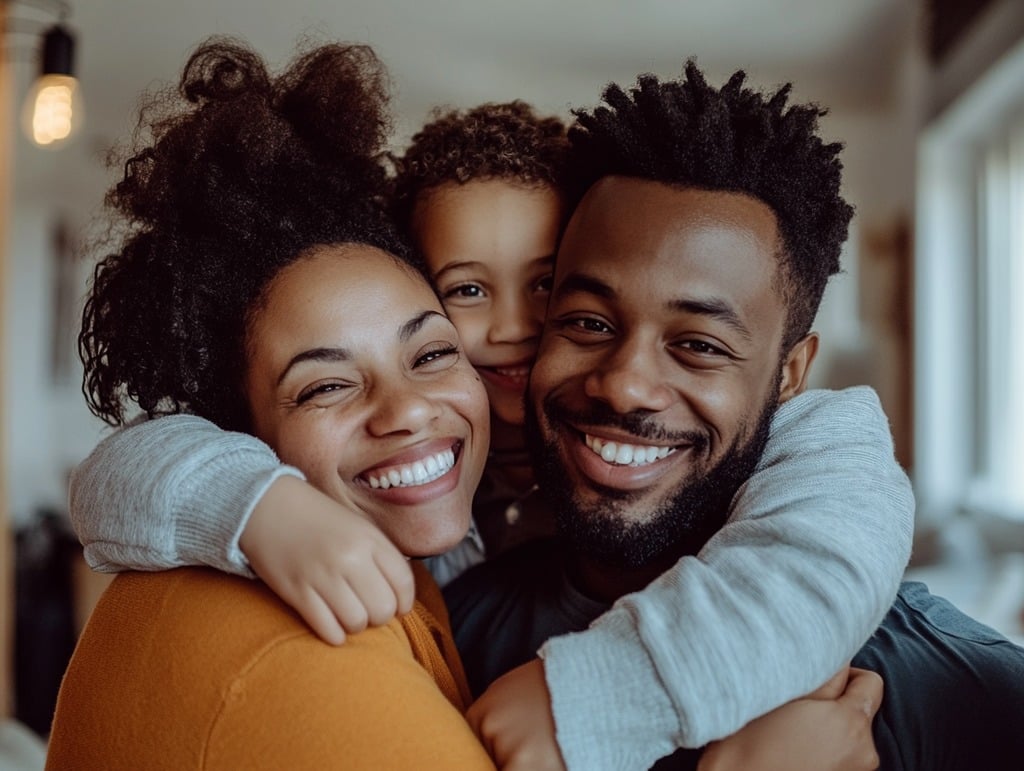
(194, 669)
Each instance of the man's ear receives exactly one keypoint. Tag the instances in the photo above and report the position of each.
(796, 367)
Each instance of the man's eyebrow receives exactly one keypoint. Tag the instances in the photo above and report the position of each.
(580, 282)
(714, 308)
(315, 354)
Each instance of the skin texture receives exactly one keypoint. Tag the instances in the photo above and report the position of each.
(489, 245)
(353, 369)
(686, 365)
(642, 360)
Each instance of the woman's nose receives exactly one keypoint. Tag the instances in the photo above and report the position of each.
(401, 407)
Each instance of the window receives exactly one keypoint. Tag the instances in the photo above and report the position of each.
(998, 479)
(969, 304)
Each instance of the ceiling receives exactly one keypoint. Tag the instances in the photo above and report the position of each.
(555, 53)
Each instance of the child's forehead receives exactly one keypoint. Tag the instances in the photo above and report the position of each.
(490, 222)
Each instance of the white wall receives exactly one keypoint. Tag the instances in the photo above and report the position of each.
(48, 428)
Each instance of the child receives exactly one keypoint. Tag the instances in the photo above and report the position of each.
(480, 191)
(215, 498)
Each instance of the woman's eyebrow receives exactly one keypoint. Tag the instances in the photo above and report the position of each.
(315, 354)
(413, 325)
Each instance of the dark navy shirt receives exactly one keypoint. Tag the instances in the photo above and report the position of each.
(954, 688)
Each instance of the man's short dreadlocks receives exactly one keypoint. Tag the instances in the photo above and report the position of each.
(686, 133)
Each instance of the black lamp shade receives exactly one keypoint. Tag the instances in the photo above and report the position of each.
(58, 52)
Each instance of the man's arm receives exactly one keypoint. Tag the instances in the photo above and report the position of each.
(169, 492)
(774, 604)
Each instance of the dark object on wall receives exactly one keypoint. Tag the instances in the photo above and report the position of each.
(44, 635)
(948, 20)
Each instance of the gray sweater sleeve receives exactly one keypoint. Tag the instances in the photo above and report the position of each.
(776, 602)
(169, 492)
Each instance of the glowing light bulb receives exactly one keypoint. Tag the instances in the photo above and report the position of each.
(53, 114)
(53, 108)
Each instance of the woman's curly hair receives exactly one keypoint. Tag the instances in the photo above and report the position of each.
(492, 141)
(234, 175)
(687, 133)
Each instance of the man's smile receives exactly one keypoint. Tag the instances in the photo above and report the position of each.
(624, 454)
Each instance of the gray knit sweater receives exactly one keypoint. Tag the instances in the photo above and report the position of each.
(773, 605)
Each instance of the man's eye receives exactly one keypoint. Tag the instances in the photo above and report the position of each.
(591, 325)
(703, 348)
(583, 324)
(470, 291)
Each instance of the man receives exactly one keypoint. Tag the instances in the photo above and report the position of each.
(684, 290)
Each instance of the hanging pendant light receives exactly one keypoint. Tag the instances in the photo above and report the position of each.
(53, 108)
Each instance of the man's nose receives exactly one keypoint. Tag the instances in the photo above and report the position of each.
(630, 378)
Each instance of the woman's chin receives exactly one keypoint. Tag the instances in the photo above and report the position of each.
(429, 536)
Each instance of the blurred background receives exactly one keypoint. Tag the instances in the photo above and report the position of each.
(927, 95)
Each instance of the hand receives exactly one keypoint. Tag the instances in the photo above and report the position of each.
(514, 722)
(326, 560)
(817, 734)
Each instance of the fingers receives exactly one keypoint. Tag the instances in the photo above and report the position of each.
(864, 691)
(475, 715)
(394, 567)
(320, 617)
(368, 589)
(833, 687)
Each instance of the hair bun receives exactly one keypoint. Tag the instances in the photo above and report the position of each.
(221, 69)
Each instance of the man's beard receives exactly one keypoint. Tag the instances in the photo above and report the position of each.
(679, 525)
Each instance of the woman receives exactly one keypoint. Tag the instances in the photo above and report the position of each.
(259, 287)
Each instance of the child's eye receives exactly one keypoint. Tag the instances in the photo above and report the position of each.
(543, 284)
(466, 291)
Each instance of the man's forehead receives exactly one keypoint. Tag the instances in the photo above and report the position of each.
(634, 219)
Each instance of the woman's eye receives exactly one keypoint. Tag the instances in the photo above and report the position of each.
(436, 355)
(467, 291)
(319, 389)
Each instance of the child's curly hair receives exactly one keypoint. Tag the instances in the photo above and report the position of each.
(233, 176)
(492, 141)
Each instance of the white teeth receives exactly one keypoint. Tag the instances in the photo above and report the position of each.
(627, 454)
(413, 474)
(513, 371)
